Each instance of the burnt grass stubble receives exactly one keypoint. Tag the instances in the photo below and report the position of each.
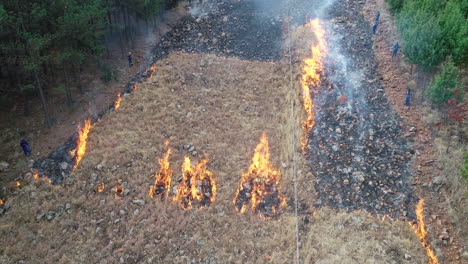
(365, 166)
(359, 155)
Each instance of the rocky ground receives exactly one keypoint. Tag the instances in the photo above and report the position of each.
(357, 151)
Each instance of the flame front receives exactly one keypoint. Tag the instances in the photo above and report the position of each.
(80, 149)
(259, 186)
(117, 102)
(420, 230)
(312, 68)
(1, 202)
(162, 180)
(197, 184)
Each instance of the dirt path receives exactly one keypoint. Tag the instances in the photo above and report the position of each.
(396, 78)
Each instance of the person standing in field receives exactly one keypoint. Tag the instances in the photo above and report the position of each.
(396, 47)
(130, 59)
(408, 98)
(25, 146)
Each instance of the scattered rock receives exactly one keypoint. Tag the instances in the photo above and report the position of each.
(122, 212)
(40, 215)
(4, 165)
(98, 229)
(99, 167)
(139, 202)
(64, 166)
(94, 176)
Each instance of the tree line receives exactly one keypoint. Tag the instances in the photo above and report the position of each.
(45, 42)
(435, 37)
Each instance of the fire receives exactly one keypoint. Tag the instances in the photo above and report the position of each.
(1, 202)
(80, 149)
(312, 69)
(18, 184)
(259, 186)
(197, 184)
(118, 190)
(135, 87)
(36, 175)
(162, 180)
(420, 230)
(151, 70)
(117, 102)
(101, 187)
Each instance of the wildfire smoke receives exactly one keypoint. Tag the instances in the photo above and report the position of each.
(312, 68)
(420, 230)
(259, 186)
(80, 149)
(162, 180)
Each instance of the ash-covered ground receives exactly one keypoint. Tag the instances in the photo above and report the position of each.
(229, 29)
(357, 152)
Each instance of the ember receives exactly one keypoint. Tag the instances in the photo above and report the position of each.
(151, 70)
(162, 180)
(117, 102)
(420, 230)
(197, 184)
(118, 190)
(101, 187)
(312, 68)
(80, 149)
(259, 186)
(1, 202)
(135, 87)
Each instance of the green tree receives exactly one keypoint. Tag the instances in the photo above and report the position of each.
(454, 31)
(395, 5)
(422, 36)
(446, 85)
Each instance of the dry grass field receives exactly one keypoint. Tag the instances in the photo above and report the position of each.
(220, 107)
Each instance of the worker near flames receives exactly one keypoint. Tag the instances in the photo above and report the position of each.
(130, 59)
(25, 145)
(396, 47)
(374, 28)
(408, 98)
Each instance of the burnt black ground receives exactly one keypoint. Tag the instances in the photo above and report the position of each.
(357, 152)
(231, 29)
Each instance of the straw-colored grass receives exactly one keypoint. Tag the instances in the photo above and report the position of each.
(221, 106)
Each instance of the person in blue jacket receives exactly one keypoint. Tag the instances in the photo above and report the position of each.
(25, 145)
(408, 98)
(396, 47)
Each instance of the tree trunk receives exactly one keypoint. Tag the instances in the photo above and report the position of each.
(43, 100)
(67, 87)
(26, 106)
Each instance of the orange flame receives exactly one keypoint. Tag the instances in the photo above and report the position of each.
(80, 149)
(118, 191)
(117, 102)
(420, 230)
(197, 184)
(18, 184)
(101, 187)
(259, 186)
(162, 180)
(135, 87)
(1, 202)
(36, 175)
(312, 69)
(151, 71)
